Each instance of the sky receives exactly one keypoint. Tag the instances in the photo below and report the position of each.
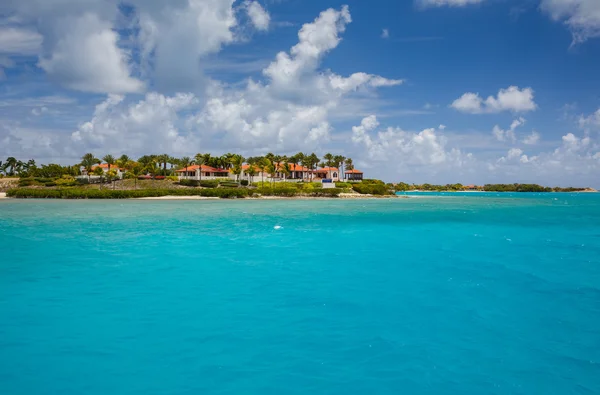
(437, 91)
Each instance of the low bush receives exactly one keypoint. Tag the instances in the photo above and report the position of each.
(208, 183)
(244, 183)
(189, 183)
(371, 189)
(172, 178)
(229, 184)
(372, 181)
(343, 185)
(79, 193)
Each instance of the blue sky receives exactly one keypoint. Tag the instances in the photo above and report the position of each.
(455, 90)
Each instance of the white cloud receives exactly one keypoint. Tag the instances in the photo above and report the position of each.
(591, 121)
(83, 48)
(385, 33)
(143, 127)
(315, 40)
(19, 41)
(86, 58)
(508, 135)
(510, 99)
(258, 15)
(581, 16)
(532, 139)
(449, 3)
(187, 31)
(290, 111)
(400, 148)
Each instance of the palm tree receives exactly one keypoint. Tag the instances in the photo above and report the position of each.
(200, 160)
(285, 170)
(237, 161)
(328, 159)
(185, 162)
(163, 160)
(271, 169)
(136, 171)
(87, 162)
(110, 160)
(263, 164)
(11, 163)
(124, 162)
(313, 159)
(349, 164)
(251, 173)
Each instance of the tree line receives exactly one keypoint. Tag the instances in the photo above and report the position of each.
(165, 165)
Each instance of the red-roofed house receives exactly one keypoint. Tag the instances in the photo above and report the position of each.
(353, 175)
(105, 168)
(208, 173)
(328, 173)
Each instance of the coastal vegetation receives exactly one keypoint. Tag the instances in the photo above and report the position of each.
(403, 187)
(155, 175)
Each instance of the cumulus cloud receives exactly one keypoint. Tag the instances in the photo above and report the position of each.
(83, 49)
(291, 109)
(14, 40)
(448, 3)
(87, 58)
(141, 127)
(581, 16)
(510, 99)
(532, 139)
(258, 15)
(385, 33)
(591, 121)
(508, 135)
(396, 147)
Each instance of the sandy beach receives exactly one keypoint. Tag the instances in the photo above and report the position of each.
(2, 195)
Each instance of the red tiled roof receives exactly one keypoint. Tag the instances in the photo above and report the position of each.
(353, 172)
(326, 169)
(105, 166)
(205, 168)
(294, 167)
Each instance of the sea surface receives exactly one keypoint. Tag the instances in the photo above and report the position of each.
(443, 294)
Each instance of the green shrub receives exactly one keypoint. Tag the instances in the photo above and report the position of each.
(229, 184)
(208, 183)
(343, 185)
(244, 183)
(371, 189)
(189, 183)
(172, 178)
(372, 181)
(79, 193)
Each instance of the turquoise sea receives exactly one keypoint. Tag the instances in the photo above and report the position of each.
(454, 294)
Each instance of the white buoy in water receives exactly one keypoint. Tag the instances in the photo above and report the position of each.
(277, 227)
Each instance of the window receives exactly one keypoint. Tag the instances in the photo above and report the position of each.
(334, 175)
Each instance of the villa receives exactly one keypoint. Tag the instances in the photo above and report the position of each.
(202, 172)
(105, 169)
(327, 173)
(353, 175)
(296, 173)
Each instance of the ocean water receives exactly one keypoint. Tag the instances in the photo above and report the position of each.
(474, 294)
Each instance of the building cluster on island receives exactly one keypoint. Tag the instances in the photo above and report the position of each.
(269, 168)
